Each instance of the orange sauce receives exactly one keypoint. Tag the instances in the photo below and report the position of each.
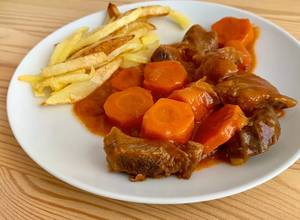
(208, 162)
(91, 113)
(251, 48)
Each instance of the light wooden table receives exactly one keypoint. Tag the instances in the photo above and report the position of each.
(29, 192)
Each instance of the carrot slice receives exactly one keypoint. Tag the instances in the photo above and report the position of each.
(230, 28)
(126, 78)
(247, 59)
(220, 126)
(164, 76)
(169, 119)
(126, 108)
(198, 98)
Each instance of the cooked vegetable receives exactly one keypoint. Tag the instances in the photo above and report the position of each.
(247, 59)
(133, 27)
(179, 18)
(230, 28)
(126, 18)
(165, 76)
(63, 49)
(150, 43)
(128, 63)
(131, 46)
(31, 78)
(143, 158)
(58, 82)
(220, 126)
(126, 35)
(200, 100)
(82, 62)
(79, 90)
(169, 119)
(126, 108)
(113, 11)
(106, 46)
(126, 78)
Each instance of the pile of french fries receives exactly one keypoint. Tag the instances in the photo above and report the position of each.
(84, 60)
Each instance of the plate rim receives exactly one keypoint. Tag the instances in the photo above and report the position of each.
(142, 199)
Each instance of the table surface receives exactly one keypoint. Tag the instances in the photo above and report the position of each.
(29, 192)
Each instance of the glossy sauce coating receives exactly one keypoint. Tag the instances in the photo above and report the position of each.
(91, 113)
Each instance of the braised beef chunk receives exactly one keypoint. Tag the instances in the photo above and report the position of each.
(251, 92)
(150, 158)
(199, 40)
(166, 52)
(262, 131)
(219, 64)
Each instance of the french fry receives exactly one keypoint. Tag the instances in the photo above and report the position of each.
(113, 11)
(127, 64)
(149, 38)
(95, 60)
(128, 29)
(179, 18)
(106, 46)
(128, 17)
(109, 28)
(151, 11)
(132, 46)
(154, 11)
(58, 82)
(79, 90)
(141, 56)
(31, 78)
(64, 49)
(136, 58)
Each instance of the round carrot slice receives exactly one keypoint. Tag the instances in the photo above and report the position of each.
(230, 28)
(126, 78)
(165, 76)
(199, 100)
(169, 119)
(126, 108)
(220, 126)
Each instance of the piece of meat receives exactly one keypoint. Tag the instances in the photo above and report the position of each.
(174, 52)
(219, 64)
(166, 52)
(196, 43)
(150, 158)
(262, 131)
(251, 92)
(200, 41)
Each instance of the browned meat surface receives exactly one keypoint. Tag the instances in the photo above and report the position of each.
(196, 43)
(200, 41)
(174, 52)
(251, 92)
(219, 64)
(166, 52)
(150, 158)
(262, 131)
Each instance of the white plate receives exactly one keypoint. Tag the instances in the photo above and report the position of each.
(58, 142)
